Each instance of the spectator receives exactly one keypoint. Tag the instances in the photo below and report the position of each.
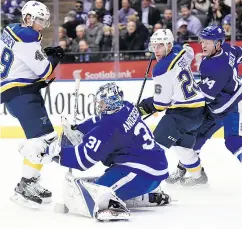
(71, 24)
(166, 21)
(84, 52)
(99, 9)
(108, 5)
(180, 3)
(148, 15)
(200, 6)
(239, 13)
(226, 23)
(63, 44)
(216, 12)
(106, 42)
(62, 35)
(12, 9)
(136, 5)
(103, 15)
(94, 32)
(193, 23)
(80, 35)
(132, 40)
(183, 34)
(80, 14)
(87, 5)
(157, 26)
(140, 28)
(125, 11)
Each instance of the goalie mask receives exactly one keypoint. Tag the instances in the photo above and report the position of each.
(109, 99)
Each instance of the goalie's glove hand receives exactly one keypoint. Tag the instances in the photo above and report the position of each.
(71, 133)
(55, 52)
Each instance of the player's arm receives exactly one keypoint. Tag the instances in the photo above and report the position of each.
(163, 91)
(185, 49)
(96, 145)
(33, 56)
(235, 50)
(189, 54)
(212, 85)
(88, 124)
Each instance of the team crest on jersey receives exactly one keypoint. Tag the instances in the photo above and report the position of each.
(39, 55)
(158, 89)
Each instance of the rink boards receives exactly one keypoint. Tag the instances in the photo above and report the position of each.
(59, 100)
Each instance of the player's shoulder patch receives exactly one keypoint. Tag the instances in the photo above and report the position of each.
(23, 34)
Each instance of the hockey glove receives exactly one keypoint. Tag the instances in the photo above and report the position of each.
(146, 106)
(71, 135)
(55, 52)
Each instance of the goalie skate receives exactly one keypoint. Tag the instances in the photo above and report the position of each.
(115, 212)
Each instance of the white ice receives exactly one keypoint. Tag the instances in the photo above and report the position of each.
(219, 206)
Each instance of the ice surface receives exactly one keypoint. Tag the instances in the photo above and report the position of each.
(217, 207)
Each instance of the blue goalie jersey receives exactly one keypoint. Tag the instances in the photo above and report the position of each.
(220, 83)
(122, 140)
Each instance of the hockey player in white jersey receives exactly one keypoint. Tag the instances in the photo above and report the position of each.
(176, 92)
(24, 68)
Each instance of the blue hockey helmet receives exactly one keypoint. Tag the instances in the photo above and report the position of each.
(109, 98)
(213, 32)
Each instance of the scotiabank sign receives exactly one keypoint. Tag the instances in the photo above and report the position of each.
(127, 69)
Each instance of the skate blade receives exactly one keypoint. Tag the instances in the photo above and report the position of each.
(20, 200)
(107, 215)
(197, 186)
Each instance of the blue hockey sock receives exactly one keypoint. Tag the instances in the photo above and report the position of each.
(234, 145)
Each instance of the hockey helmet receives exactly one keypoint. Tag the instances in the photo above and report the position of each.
(213, 32)
(38, 11)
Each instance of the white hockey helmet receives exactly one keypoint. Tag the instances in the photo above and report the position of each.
(38, 11)
(161, 36)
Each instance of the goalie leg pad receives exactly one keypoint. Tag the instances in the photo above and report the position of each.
(92, 200)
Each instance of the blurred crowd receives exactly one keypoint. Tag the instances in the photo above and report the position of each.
(89, 27)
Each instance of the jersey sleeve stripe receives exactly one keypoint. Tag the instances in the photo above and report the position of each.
(229, 103)
(87, 157)
(208, 96)
(179, 55)
(13, 34)
(47, 72)
(79, 159)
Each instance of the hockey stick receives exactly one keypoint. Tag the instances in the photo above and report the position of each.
(77, 78)
(148, 115)
(145, 78)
